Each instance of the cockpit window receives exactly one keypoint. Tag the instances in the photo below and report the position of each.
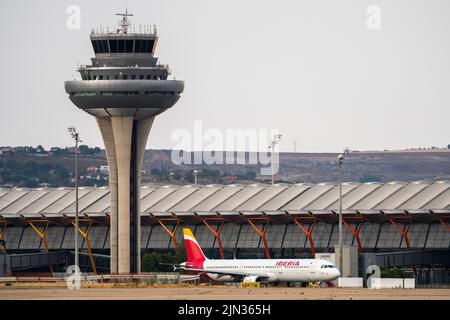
(327, 266)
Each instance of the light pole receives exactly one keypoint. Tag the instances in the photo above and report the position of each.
(3, 251)
(195, 177)
(341, 158)
(74, 134)
(275, 140)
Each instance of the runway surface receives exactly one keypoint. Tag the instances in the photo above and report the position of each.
(220, 293)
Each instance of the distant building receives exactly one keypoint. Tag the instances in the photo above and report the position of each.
(23, 149)
(230, 179)
(44, 185)
(104, 169)
(40, 149)
(5, 150)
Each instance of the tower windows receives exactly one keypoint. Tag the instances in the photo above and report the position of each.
(119, 93)
(121, 47)
(148, 46)
(113, 45)
(104, 45)
(100, 46)
(121, 76)
(159, 93)
(129, 45)
(83, 94)
(137, 45)
(95, 46)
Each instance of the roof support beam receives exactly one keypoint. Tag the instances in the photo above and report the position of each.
(262, 235)
(216, 233)
(404, 232)
(442, 221)
(2, 233)
(85, 235)
(355, 233)
(171, 233)
(42, 236)
(308, 232)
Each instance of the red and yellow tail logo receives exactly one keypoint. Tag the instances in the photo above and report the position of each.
(193, 251)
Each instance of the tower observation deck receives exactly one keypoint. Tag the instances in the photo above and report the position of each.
(124, 88)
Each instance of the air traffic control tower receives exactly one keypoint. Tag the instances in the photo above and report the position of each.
(124, 89)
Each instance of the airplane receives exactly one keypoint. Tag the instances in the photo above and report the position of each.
(254, 270)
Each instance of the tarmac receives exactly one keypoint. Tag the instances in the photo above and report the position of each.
(216, 293)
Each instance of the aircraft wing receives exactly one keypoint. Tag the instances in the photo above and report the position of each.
(224, 273)
(177, 266)
(220, 273)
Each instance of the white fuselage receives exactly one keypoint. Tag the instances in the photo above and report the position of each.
(290, 270)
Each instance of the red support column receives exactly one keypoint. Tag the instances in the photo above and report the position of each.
(444, 224)
(262, 234)
(308, 233)
(216, 234)
(355, 233)
(404, 232)
(2, 233)
(171, 233)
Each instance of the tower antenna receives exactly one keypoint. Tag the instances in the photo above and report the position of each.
(124, 24)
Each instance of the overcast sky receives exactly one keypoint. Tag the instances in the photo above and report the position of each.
(312, 69)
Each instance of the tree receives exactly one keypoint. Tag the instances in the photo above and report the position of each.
(387, 272)
(30, 183)
(30, 168)
(177, 175)
(251, 175)
(155, 172)
(154, 261)
(83, 149)
(369, 178)
(189, 176)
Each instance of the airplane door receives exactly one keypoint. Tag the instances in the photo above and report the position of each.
(312, 271)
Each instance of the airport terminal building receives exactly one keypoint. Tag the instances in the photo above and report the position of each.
(240, 221)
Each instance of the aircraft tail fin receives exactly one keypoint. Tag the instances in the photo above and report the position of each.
(193, 251)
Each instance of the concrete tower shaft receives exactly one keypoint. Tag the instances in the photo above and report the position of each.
(125, 140)
(124, 89)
